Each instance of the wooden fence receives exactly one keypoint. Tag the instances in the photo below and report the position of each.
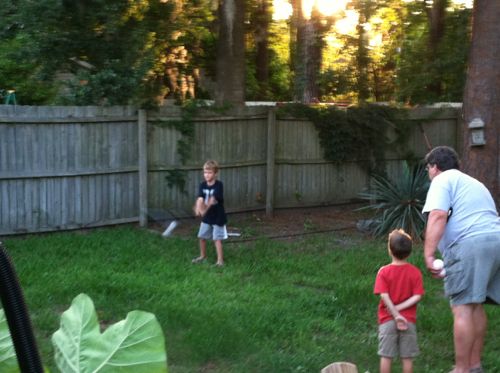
(75, 167)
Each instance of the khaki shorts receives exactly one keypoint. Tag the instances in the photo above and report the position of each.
(393, 342)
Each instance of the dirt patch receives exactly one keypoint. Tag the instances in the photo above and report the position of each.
(285, 223)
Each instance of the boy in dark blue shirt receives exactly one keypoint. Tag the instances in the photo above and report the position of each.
(210, 206)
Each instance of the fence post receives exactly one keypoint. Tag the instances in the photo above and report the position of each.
(270, 165)
(143, 168)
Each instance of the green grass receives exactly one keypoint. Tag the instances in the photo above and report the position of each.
(276, 306)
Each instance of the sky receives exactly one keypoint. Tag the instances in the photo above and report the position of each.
(283, 9)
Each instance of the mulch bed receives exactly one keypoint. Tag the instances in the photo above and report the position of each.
(285, 223)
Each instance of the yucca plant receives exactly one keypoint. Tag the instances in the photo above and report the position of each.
(398, 203)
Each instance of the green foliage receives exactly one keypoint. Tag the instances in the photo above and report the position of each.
(8, 359)
(392, 57)
(135, 344)
(337, 84)
(356, 133)
(419, 71)
(21, 74)
(121, 41)
(142, 51)
(279, 83)
(108, 86)
(185, 126)
(280, 73)
(192, 48)
(398, 203)
(252, 87)
(177, 177)
(453, 55)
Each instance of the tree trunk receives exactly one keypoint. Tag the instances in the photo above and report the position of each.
(482, 96)
(308, 57)
(262, 21)
(231, 53)
(436, 15)
(295, 20)
(362, 62)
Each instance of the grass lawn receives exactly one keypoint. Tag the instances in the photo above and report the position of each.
(276, 307)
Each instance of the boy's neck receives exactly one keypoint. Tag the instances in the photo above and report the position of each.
(211, 182)
(398, 262)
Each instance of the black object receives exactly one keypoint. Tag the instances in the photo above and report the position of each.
(18, 320)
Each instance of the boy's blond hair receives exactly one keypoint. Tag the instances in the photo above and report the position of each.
(211, 165)
(400, 244)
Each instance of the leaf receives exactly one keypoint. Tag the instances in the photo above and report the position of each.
(398, 203)
(8, 359)
(135, 344)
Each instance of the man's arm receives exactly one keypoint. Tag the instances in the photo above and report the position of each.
(436, 225)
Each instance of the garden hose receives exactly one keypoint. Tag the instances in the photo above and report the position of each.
(17, 317)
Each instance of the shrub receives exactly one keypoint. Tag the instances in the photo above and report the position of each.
(398, 203)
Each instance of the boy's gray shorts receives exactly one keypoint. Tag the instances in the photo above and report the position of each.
(393, 342)
(212, 232)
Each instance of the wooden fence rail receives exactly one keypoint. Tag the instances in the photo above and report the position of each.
(74, 167)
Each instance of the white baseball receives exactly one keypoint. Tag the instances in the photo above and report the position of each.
(438, 264)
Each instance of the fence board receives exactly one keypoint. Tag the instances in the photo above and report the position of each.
(73, 167)
(67, 173)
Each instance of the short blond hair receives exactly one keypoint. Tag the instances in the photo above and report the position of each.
(211, 165)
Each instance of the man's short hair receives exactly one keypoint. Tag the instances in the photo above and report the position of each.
(211, 165)
(444, 157)
(400, 243)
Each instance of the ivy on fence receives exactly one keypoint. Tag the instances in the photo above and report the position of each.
(185, 126)
(357, 133)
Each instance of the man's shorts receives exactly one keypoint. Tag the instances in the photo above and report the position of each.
(393, 342)
(473, 270)
(212, 232)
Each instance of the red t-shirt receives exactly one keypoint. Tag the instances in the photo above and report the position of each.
(400, 282)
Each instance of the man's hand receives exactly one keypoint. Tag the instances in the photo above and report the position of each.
(429, 263)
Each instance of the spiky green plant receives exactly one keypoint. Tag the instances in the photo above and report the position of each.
(398, 203)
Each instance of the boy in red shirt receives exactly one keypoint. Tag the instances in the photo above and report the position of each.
(400, 286)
